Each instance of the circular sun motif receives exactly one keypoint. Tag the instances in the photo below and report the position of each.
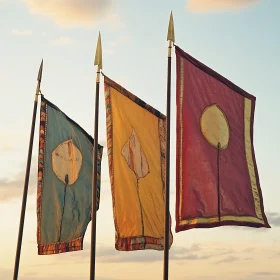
(214, 126)
(67, 162)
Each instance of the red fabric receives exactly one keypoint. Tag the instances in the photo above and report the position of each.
(204, 87)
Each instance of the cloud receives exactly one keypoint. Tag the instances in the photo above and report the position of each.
(111, 47)
(222, 256)
(263, 275)
(10, 189)
(21, 32)
(228, 259)
(8, 274)
(215, 253)
(72, 13)
(218, 5)
(62, 41)
(274, 219)
(111, 255)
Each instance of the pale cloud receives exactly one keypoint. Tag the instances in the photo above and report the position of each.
(229, 259)
(21, 32)
(110, 255)
(111, 48)
(218, 5)
(73, 13)
(207, 253)
(62, 41)
(263, 275)
(10, 189)
(274, 219)
(7, 275)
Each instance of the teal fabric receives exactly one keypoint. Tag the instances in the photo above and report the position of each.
(77, 205)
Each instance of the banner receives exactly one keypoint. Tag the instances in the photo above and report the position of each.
(136, 143)
(217, 180)
(64, 193)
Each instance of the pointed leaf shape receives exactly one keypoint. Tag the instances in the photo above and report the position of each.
(135, 157)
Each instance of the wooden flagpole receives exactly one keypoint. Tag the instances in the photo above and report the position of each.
(170, 38)
(98, 62)
(27, 174)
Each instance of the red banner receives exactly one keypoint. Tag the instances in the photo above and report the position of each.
(217, 178)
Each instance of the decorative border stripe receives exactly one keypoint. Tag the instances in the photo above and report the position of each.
(215, 219)
(181, 135)
(162, 141)
(133, 97)
(42, 149)
(61, 247)
(249, 157)
(109, 128)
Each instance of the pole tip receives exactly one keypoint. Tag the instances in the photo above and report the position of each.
(98, 53)
(40, 71)
(170, 34)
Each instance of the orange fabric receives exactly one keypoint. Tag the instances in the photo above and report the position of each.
(136, 138)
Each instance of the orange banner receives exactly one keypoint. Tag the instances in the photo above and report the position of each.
(136, 151)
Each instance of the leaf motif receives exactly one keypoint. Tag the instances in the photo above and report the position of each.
(135, 157)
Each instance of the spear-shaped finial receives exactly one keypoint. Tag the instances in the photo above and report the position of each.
(40, 71)
(98, 53)
(170, 34)
(39, 78)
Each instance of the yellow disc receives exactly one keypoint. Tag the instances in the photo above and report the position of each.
(214, 126)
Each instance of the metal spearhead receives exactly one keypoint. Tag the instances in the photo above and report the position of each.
(98, 53)
(40, 72)
(39, 78)
(170, 34)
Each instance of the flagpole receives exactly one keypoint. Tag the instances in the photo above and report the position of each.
(98, 62)
(27, 174)
(170, 38)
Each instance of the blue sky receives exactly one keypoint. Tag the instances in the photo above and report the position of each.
(238, 39)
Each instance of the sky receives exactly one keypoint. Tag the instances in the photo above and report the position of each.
(237, 38)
